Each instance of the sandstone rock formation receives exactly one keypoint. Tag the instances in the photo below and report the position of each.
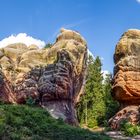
(126, 81)
(52, 77)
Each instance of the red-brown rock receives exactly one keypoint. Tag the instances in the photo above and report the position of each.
(126, 81)
(52, 77)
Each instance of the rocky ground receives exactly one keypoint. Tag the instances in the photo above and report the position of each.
(117, 135)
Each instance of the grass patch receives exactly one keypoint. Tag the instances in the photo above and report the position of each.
(21, 122)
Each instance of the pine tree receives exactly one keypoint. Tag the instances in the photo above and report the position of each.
(111, 105)
(92, 107)
(96, 105)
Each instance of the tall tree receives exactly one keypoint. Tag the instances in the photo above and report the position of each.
(96, 105)
(111, 105)
(92, 106)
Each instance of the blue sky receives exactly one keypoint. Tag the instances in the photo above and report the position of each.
(101, 22)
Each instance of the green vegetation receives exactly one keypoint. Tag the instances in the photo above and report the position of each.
(30, 101)
(96, 105)
(20, 122)
(111, 105)
(130, 129)
(48, 45)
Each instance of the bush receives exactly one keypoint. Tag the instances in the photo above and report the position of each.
(30, 101)
(48, 45)
(21, 122)
(130, 129)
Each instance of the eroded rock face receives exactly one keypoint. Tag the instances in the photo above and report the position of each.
(53, 77)
(126, 82)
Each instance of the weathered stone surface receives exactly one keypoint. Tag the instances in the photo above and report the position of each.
(126, 81)
(53, 77)
(6, 94)
(130, 113)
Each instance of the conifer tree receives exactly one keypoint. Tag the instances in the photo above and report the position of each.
(111, 105)
(96, 105)
(91, 108)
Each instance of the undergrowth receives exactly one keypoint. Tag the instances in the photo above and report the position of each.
(21, 122)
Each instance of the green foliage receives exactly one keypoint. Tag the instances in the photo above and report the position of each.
(96, 105)
(112, 105)
(30, 101)
(91, 108)
(20, 122)
(48, 45)
(129, 129)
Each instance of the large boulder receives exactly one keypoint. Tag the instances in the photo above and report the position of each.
(52, 77)
(126, 81)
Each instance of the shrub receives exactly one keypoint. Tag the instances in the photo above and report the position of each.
(30, 101)
(48, 45)
(129, 129)
(21, 122)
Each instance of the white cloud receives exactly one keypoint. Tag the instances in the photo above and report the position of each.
(102, 59)
(21, 38)
(138, 1)
(105, 72)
